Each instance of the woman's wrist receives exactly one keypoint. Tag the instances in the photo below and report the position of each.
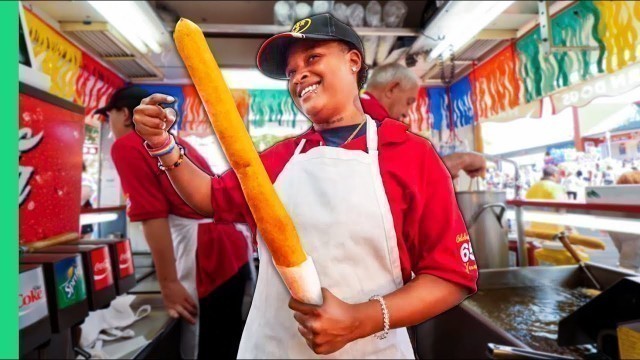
(160, 142)
(369, 318)
(170, 158)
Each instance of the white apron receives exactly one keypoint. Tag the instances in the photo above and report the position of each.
(337, 202)
(184, 233)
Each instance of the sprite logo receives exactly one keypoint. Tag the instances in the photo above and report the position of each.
(70, 285)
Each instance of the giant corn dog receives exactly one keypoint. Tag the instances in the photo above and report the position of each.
(274, 224)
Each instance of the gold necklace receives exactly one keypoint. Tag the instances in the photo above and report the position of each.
(357, 129)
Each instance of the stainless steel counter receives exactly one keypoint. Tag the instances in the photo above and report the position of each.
(540, 295)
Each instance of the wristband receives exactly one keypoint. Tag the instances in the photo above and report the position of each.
(175, 164)
(385, 317)
(166, 148)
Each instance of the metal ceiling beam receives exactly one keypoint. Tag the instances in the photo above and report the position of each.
(554, 8)
(265, 31)
(494, 34)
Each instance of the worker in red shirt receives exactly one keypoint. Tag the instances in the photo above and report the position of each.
(216, 274)
(391, 91)
(373, 204)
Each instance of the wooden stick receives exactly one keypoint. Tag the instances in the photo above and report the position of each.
(52, 241)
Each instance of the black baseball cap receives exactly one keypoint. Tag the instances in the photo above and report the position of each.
(127, 97)
(272, 56)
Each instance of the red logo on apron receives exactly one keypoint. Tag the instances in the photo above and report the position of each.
(101, 263)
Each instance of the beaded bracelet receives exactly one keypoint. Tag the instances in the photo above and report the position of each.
(385, 317)
(166, 148)
(175, 164)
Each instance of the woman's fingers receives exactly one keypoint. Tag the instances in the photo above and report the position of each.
(170, 116)
(299, 306)
(185, 314)
(149, 110)
(150, 122)
(190, 306)
(157, 99)
(174, 314)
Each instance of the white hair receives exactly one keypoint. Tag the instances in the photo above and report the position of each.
(393, 72)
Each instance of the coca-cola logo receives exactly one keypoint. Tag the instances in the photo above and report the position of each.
(101, 269)
(124, 260)
(33, 296)
(26, 142)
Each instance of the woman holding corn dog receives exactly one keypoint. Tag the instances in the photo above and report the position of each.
(372, 204)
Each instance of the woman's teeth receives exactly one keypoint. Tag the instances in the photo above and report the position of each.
(308, 89)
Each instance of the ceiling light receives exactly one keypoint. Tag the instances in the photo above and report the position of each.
(467, 24)
(132, 22)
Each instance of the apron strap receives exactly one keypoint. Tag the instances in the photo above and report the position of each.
(300, 146)
(372, 135)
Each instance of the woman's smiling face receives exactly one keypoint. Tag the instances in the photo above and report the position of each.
(322, 82)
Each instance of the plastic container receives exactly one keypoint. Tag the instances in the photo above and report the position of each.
(553, 254)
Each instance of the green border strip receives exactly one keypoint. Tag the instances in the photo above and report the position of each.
(9, 180)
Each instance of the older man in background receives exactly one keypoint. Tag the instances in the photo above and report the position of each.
(391, 91)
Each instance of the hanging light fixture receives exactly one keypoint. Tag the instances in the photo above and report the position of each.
(133, 22)
(466, 23)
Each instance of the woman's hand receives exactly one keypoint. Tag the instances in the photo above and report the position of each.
(178, 302)
(152, 122)
(473, 164)
(329, 327)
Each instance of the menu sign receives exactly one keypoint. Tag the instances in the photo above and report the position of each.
(125, 260)
(70, 285)
(32, 297)
(101, 263)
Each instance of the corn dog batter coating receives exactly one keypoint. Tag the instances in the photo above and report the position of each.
(272, 219)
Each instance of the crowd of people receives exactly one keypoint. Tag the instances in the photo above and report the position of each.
(573, 177)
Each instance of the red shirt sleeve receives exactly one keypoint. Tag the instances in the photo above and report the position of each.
(140, 183)
(443, 248)
(227, 198)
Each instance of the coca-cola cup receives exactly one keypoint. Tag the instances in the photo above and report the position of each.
(33, 310)
(121, 261)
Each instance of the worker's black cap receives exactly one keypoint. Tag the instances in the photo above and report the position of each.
(129, 97)
(272, 56)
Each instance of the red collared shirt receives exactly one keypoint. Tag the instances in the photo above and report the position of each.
(372, 107)
(222, 249)
(431, 234)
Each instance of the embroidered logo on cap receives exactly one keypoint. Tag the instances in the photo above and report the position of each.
(301, 26)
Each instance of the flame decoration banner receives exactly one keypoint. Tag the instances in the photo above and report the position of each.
(461, 103)
(496, 86)
(576, 26)
(75, 76)
(439, 107)
(269, 106)
(57, 57)
(95, 85)
(619, 28)
(419, 116)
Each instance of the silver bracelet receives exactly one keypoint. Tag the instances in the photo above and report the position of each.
(385, 317)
